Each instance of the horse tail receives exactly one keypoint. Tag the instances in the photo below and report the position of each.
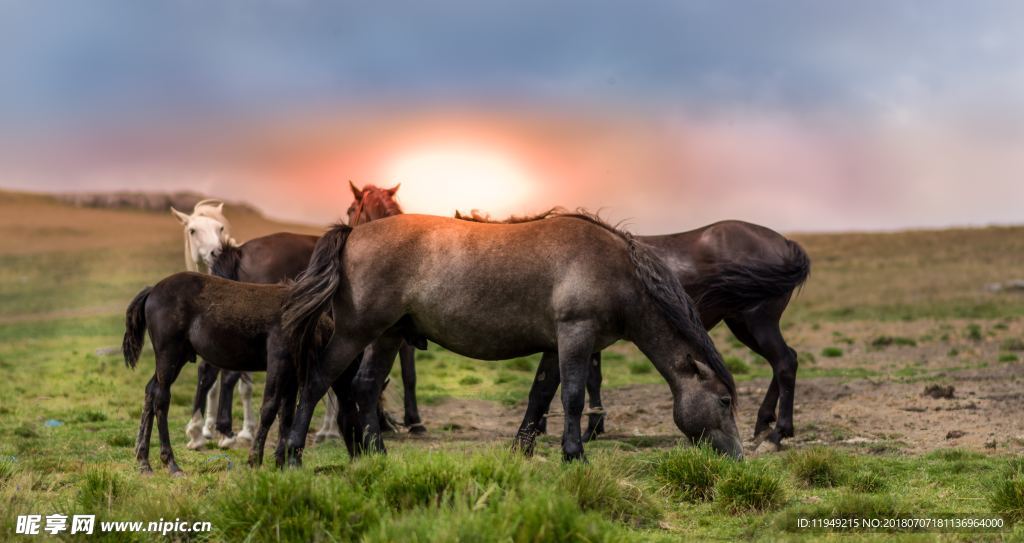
(135, 328)
(746, 283)
(311, 294)
(675, 304)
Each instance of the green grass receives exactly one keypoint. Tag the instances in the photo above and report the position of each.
(831, 352)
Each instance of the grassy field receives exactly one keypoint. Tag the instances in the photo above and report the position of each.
(882, 312)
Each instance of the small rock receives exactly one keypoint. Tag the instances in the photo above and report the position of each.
(955, 434)
(939, 391)
(766, 447)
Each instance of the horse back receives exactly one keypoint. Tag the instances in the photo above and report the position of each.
(275, 258)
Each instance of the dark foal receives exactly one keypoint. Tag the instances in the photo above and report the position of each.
(233, 326)
(566, 285)
(737, 272)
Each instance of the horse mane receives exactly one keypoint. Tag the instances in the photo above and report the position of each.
(226, 265)
(660, 283)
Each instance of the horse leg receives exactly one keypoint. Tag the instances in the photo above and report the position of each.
(248, 422)
(146, 428)
(194, 430)
(367, 385)
(541, 393)
(228, 379)
(272, 399)
(329, 425)
(575, 345)
(412, 420)
(595, 421)
(338, 356)
(169, 364)
(759, 330)
(212, 408)
(290, 389)
(346, 411)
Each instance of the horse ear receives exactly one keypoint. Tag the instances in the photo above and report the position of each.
(457, 214)
(700, 369)
(183, 218)
(220, 207)
(355, 190)
(394, 189)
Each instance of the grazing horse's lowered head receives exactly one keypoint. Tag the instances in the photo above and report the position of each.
(372, 203)
(207, 233)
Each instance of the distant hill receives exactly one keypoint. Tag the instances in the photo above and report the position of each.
(145, 201)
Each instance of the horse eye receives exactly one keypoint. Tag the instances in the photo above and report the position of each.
(726, 401)
(192, 231)
(221, 228)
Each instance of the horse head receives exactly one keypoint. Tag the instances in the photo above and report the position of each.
(207, 232)
(371, 203)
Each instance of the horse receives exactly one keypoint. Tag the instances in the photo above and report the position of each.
(563, 284)
(234, 326)
(737, 272)
(371, 203)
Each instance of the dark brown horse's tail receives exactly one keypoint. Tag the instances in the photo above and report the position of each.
(668, 295)
(746, 283)
(135, 328)
(311, 295)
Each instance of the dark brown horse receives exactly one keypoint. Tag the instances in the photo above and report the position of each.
(737, 272)
(567, 285)
(231, 325)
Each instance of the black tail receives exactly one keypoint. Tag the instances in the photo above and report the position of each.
(743, 284)
(135, 328)
(312, 292)
(666, 292)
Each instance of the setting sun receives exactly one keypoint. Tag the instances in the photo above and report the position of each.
(439, 181)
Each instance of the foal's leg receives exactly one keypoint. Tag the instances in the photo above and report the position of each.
(407, 356)
(289, 390)
(169, 364)
(575, 345)
(541, 393)
(146, 428)
(329, 426)
(207, 378)
(248, 421)
(212, 407)
(346, 408)
(228, 379)
(595, 421)
(272, 399)
(368, 384)
(318, 378)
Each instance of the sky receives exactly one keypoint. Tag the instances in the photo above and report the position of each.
(799, 115)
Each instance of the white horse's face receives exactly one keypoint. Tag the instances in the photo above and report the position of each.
(207, 237)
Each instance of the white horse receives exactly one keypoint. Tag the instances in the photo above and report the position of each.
(207, 232)
(207, 235)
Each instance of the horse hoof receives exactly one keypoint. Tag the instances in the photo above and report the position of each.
(227, 442)
(196, 445)
(207, 433)
(177, 474)
(417, 429)
(245, 435)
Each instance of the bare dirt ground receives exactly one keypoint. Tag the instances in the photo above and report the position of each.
(870, 398)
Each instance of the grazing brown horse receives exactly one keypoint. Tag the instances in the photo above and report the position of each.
(737, 272)
(566, 285)
(233, 326)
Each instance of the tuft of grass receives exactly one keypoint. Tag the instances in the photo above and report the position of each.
(597, 489)
(7, 468)
(867, 481)
(640, 367)
(1008, 357)
(689, 473)
(25, 431)
(736, 365)
(882, 342)
(974, 332)
(1015, 344)
(120, 440)
(1007, 499)
(264, 505)
(470, 380)
(819, 466)
(102, 490)
(844, 505)
(89, 415)
(831, 352)
(749, 487)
